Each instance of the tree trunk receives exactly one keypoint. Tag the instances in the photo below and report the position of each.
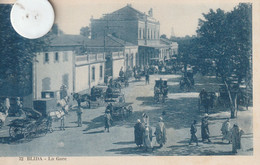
(233, 102)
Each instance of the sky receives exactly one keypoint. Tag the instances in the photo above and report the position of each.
(182, 16)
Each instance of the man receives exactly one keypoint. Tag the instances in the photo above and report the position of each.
(147, 138)
(193, 131)
(109, 92)
(147, 78)
(108, 120)
(203, 94)
(205, 128)
(121, 72)
(61, 116)
(204, 99)
(160, 132)
(236, 138)
(225, 129)
(109, 108)
(79, 113)
(139, 133)
(63, 91)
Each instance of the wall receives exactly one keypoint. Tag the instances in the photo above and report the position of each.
(83, 71)
(117, 64)
(131, 51)
(52, 71)
(81, 78)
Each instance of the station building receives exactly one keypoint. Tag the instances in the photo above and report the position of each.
(135, 27)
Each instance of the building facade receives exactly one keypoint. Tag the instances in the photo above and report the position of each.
(89, 71)
(134, 27)
(118, 53)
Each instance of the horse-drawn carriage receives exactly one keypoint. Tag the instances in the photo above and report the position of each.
(96, 96)
(160, 90)
(187, 81)
(34, 124)
(207, 100)
(121, 110)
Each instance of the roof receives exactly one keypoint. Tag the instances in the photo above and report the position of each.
(69, 40)
(128, 13)
(110, 41)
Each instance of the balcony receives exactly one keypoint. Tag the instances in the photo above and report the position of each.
(90, 58)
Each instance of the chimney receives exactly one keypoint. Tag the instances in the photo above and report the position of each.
(150, 12)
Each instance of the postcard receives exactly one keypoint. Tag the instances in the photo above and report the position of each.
(128, 82)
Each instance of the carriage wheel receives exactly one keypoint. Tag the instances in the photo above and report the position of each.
(30, 131)
(41, 129)
(15, 131)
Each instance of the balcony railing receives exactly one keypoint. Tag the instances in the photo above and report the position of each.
(90, 58)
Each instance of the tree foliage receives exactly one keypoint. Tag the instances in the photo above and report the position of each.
(226, 38)
(16, 56)
(85, 31)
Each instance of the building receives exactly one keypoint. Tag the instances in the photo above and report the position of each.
(134, 27)
(118, 53)
(89, 71)
(63, 63)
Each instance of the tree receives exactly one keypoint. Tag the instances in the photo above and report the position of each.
(55, 30)
(226, 38)
(16, 56)
(85, 31)
(163, 36)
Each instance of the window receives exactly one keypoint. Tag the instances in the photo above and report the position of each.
(154, 35)
(151, 34)
(148, 33)
(101, 72)
(143, 34)
(93, 73)
(140, 34)
(56, 57)
(46, 57)
(65, 56)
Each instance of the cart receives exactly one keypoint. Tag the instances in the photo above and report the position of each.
(160, 90)
(33, 125)
(121, 110)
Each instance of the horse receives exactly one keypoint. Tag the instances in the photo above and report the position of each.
(81, 98)
(185, 82)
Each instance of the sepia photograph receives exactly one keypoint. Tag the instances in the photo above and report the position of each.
(125, 78)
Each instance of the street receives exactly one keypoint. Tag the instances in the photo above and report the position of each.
(180, 109)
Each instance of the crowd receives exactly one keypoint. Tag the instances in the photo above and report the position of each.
(144, 133)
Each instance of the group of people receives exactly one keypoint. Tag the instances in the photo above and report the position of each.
(232, 135)
(144, 133)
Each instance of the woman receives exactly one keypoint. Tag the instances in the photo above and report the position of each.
(139, 133)
(147, 138)
(160, 132)
(236, 138)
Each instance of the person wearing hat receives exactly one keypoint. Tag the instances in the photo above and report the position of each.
(139, 133)
(193, 131)
(205, 128)
(225, 130)
(160, 132)
(236, 138)
(108, 119)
